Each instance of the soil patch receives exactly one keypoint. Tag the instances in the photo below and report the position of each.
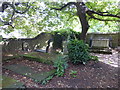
(102, 74)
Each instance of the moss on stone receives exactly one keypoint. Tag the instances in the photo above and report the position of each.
(46, 58)
(27, 71)
(8, 82)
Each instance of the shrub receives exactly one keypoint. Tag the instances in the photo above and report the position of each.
(78, 52)
(62, 35)
(61, 64)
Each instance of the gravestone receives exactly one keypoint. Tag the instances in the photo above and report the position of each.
(28, 72)
(65, 50)
(50, 49)
(25, 46)
(1, 40)
(0, 53)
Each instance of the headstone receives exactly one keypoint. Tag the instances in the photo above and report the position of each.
(49, 46)
(65, 50)
(50, 49)
(0, 53)
(25, 46)
(0, 39)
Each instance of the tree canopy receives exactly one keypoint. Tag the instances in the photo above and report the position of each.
(30, 18)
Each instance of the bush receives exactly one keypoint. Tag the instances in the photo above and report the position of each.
(61, 64)
(78, 52)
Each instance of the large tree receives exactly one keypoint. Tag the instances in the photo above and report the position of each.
(84, 12)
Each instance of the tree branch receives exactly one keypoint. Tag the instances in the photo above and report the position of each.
(7, 23)
(102, 14)
(69, 3)
(6, 4)
(103, 19)
(70, 17)
(10, 23)
(23, 11)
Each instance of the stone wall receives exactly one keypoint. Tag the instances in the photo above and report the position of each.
(40, 41)
(12, 45)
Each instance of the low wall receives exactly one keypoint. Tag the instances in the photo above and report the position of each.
(12, 45)
(40, 41)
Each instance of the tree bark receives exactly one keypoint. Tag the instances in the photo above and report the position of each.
(81, 12)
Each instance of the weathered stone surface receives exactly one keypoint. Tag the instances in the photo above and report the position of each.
(65, 51)
(100, 43)
(47, 58)
(27, 71)
(101, 50)
(39, 42)
(8, 82)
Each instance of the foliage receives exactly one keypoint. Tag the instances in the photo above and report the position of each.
(96, 25)
(63, 34)
(78, 52)
(47, 80)
(40, 17)
(73, 73)
(61, 64)
(95, 58)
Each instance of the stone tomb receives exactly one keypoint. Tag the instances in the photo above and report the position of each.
(101, 45)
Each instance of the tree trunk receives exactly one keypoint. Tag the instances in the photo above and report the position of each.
(82, 17)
